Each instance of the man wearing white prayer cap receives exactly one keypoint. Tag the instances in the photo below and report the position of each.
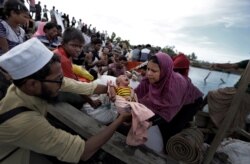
(37, 77)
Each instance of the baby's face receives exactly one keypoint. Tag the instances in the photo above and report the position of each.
(122, 80)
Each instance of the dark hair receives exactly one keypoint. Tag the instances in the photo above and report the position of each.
(59, 27)
(123, 58)
(154, 59)
(143, 67)
(13, 5)
(72, 34)
(41, 74)
(49, 26)
(96, 41)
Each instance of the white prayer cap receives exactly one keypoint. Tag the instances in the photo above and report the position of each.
(25, 59)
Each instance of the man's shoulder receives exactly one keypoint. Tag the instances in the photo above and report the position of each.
(145, 50)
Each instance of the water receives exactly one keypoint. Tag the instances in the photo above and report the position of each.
(214, 80)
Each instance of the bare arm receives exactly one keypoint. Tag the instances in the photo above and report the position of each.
(112, 93)
(4, 45)
(100, 89)
(96, 142)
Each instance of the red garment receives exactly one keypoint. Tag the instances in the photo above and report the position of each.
(181, 64)
(66, 63)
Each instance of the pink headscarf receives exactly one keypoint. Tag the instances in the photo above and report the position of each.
(39, 30)
(167, 96)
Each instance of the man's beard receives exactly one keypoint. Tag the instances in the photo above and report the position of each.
(46, 95)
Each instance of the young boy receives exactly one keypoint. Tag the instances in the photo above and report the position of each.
(71, 47)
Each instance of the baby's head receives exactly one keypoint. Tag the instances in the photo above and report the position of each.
(122, 80)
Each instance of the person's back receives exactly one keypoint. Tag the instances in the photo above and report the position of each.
(45, 11)
(73, 22)
(145, 53)
(38, 11)
(52, 14)
(136, 53)
(32, 5)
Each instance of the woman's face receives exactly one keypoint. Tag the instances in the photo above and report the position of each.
(153, 72)
(21, 18)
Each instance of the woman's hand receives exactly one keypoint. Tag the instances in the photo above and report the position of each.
(126, 116)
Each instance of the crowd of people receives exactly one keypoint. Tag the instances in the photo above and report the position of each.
(37, 70)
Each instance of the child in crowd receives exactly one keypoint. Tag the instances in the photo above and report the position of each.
(118, 68)
(72, 45)
(11, 34)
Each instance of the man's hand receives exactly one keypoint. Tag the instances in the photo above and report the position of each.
(111, 92)
(95, 103)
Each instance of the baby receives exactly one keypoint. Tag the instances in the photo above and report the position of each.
(122, 89)
(126, 101)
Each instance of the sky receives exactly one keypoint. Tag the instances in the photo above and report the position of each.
(215, 30)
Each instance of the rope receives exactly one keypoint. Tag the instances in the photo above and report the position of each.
(186, 146)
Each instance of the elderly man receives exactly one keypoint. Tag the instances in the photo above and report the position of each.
(24, 131)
